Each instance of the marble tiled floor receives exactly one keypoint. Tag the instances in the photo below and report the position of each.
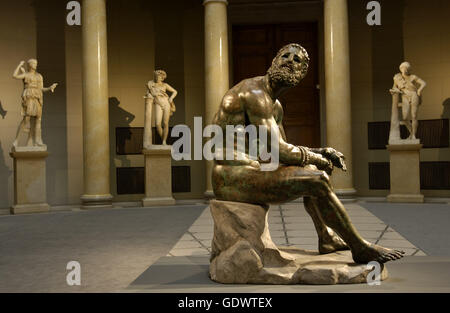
(290, 225)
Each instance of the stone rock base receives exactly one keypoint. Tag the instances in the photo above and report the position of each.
(243, 253)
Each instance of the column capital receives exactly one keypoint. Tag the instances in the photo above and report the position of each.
(205, 2)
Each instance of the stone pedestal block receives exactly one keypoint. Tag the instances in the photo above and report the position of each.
(30, 194)
(158, 176)
(244, 253)
(405, 172)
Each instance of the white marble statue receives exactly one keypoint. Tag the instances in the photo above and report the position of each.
(32, 101)
(164, 106)
(407, 88)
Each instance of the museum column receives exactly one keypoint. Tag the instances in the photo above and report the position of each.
(337, 91)
(216, 65)
(95, 106)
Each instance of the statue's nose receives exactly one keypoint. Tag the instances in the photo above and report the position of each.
(290, 59)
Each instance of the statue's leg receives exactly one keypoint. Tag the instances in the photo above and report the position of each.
(38, 132)
(247, 184)
(158, 120)
(31, 131)
(406, 109)
(414, 107)
(20, 128)
(329, 241)
(166, 116)
(335, 216)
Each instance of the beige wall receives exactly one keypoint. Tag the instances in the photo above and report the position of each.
(411, 30)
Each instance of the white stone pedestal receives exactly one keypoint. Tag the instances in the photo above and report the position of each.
(405, 172)
(158, 176)
(30, 194)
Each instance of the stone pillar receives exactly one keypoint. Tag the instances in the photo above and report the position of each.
(147, 144)
(30, 194)
(95, 106)
(337, 91)
(405, 172)
(216, 65)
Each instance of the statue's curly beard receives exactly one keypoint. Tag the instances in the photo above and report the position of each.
(284, 76)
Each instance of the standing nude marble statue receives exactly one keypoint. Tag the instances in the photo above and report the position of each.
(407, 88)
(303, 172)
(164, 105)
(32, 101)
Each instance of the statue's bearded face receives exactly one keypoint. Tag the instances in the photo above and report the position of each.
(290, 66)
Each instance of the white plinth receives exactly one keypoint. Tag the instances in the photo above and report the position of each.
(405, 173)
(30, 194)
(158, 176)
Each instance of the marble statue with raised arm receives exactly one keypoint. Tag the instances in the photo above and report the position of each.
(164, 106)
(32, 102)
(303, 172)
(407, 88)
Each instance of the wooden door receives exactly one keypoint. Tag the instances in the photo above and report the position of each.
(254, 47)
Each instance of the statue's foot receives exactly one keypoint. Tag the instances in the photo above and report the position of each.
(331, 242)
(372, 252)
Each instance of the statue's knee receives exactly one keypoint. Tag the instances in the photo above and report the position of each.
(321, 185)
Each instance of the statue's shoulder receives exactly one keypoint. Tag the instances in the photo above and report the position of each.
(38, 76)
(251, 86)
(398, 76)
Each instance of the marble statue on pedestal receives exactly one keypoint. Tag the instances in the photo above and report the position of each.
(32, 102)
(242, 251)
(407, 88)
(158, 158)
(164, 106)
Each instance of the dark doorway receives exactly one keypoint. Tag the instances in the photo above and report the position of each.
(254, 47)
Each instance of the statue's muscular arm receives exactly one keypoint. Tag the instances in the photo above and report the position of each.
(260, 111)
(422, 84)
(172, 91)
(321, 157)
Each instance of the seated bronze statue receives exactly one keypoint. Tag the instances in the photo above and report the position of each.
(302, 171)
